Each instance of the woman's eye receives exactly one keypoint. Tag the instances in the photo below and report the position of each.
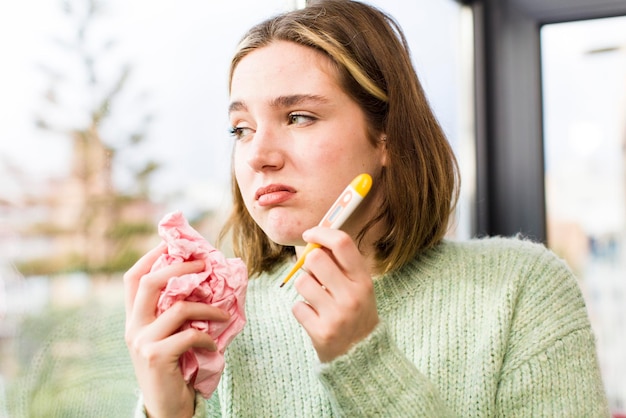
(299, 119)
(239, 132)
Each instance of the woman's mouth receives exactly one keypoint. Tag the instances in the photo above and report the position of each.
(273, 194)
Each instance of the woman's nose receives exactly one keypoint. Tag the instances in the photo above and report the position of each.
(265, 152)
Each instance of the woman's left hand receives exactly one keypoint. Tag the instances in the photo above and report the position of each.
(340, 308)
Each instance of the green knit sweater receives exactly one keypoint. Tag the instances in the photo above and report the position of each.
(491, 327)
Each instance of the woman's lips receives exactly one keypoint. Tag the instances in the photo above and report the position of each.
(273, 194)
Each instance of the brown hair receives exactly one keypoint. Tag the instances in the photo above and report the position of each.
(419, 183)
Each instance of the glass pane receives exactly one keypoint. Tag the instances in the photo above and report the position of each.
(113, 113)
(584, 74)
(440, 35)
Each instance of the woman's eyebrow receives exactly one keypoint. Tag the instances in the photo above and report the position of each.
(237, 105)
(296, 99)
(282, 101)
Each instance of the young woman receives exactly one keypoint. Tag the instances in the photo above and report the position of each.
(387, 318)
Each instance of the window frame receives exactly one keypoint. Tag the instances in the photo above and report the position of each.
(508, 101)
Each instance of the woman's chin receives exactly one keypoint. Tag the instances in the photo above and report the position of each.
(287, 241)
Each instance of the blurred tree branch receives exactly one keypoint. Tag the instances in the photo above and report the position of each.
(89, 208)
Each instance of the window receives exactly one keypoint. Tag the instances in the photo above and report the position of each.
(114, 113)
(584, 84)
(440, 35)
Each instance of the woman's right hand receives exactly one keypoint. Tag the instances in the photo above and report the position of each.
(155, 343)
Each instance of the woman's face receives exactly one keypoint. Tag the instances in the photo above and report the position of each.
(300, 140)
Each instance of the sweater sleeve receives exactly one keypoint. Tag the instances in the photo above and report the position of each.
(561, 381)
(375, 379)
(202, 407)
(551, 367)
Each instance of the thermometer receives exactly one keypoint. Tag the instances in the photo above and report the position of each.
(338, 213)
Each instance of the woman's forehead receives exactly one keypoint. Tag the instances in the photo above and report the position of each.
(284, 69)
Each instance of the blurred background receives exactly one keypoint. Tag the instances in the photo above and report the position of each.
(114, 113)
(584, 78)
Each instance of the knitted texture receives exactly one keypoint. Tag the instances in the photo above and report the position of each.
(79, 366)
(491, 327)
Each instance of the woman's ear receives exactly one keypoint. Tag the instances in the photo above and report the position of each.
(383, 149)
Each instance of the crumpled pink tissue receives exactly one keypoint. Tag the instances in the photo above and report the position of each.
(223, 284)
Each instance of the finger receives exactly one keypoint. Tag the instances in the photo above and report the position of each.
(176, 344)
(344, 284)
(134, 274)
(343, 249)
(332, 280)
(312, 290)
(177, 315)
(305, 314)
(151, 284)
(192, 338)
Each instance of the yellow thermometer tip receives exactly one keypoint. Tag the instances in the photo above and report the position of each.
(362, 184)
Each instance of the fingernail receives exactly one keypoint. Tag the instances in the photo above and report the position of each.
(210, 349)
